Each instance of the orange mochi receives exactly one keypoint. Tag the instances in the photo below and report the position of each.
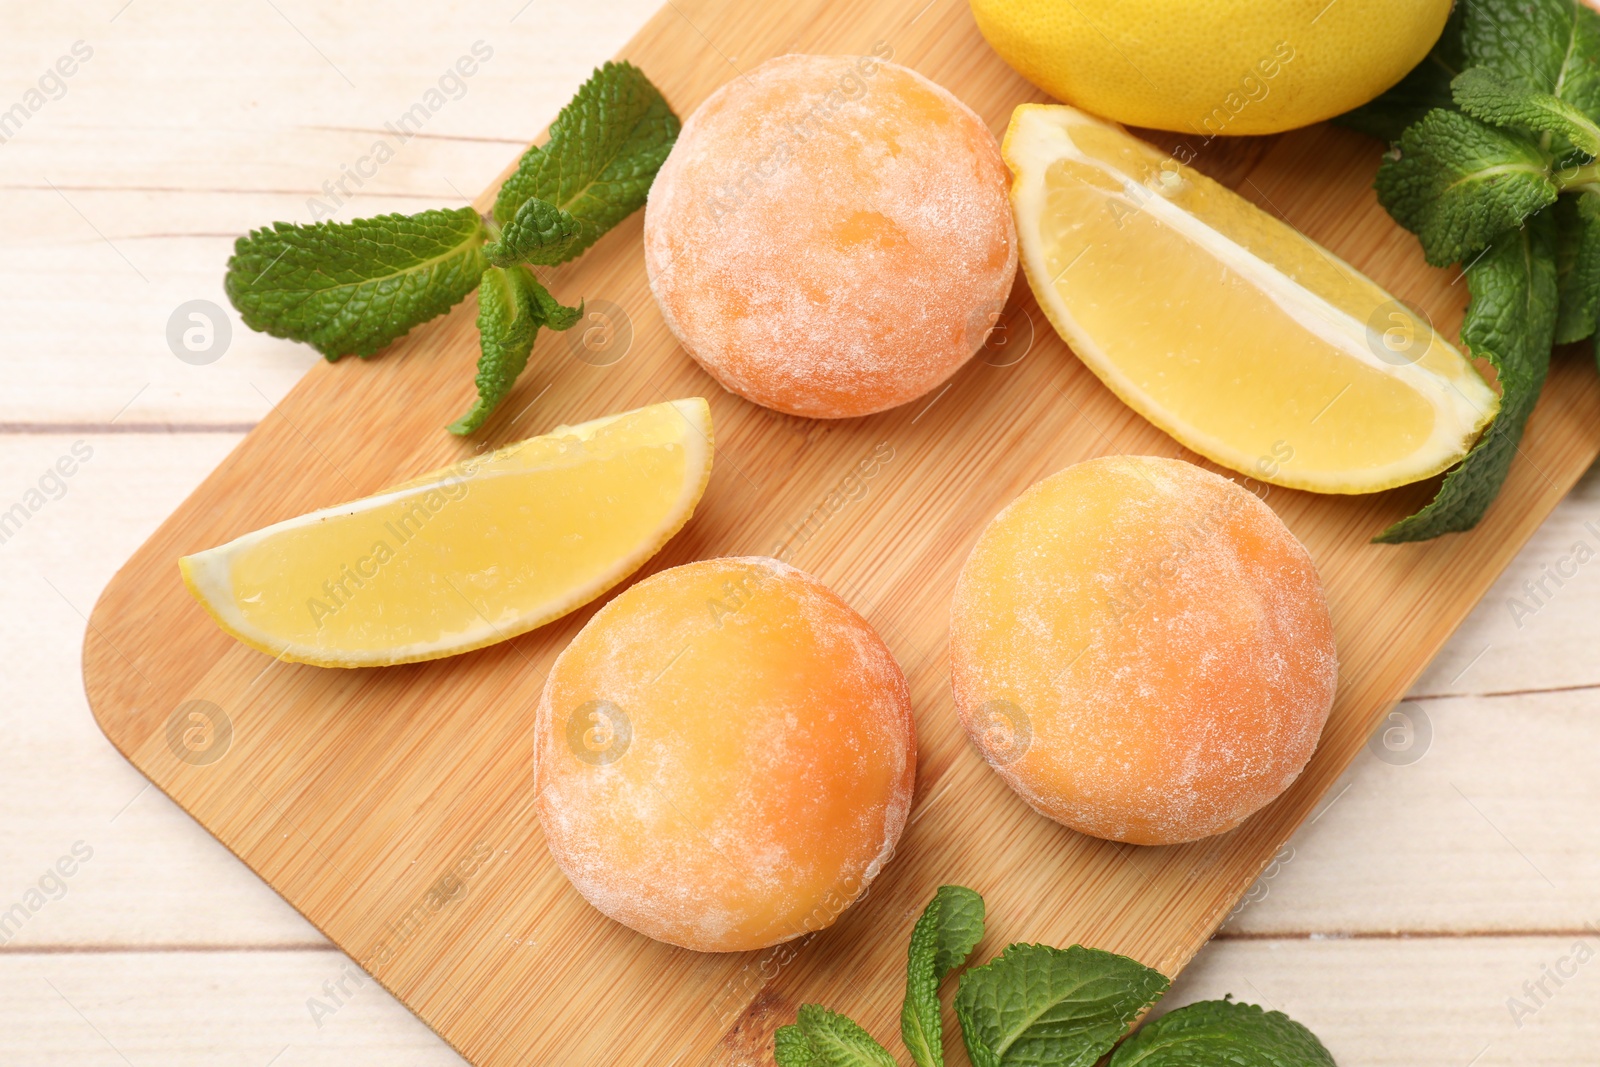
(725, 756)
(1142, 650)
(831, 235)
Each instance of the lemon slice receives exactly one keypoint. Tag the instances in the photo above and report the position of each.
(468, 555)
(1228, 329)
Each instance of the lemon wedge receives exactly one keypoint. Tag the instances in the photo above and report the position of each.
(1234, 333)
(465, 556)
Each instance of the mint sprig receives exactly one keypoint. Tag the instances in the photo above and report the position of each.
(1577, 224)
(1510, 321)
(1484, 95)
(950, 928)
(512, 305)
(1212, 1032)
(1547, 46)
(1458, 182)
(1037, 1006)
(352, 288)
(604, 150)
(1496, 137)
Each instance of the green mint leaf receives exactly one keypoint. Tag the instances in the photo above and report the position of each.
(352, 287)
(1212, 1032)
(1548, 46)
(1485, 95)
(1426, 87)
(1035, 1005)
(1458, 182)
(950, 927)
(838, 1042)
(604, 150)
(1510, 321)
(553, 314)
(540, 232)
(511, 308)
(791, 1048)
(1577, 266)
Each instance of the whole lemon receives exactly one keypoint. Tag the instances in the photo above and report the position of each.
(1211, 67)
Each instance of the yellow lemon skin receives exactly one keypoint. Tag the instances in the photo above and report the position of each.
(1213, 67)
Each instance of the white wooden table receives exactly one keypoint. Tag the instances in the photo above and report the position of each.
(1412, 922)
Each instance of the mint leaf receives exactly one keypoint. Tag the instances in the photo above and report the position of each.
(1212, 1032)
(837, 1042)
(552, 313)
(1458, 182)
(604, 150)
(1511, 322)
(1485, 95)
(1548, 46)
(1034, 1004)
(950, 927)
(512, 305)
(791, 1049)
(1426, 87)
(352, 287)
(539, 233)
(1577, 266)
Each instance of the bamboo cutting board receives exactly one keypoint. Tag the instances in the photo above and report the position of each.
(393, 807)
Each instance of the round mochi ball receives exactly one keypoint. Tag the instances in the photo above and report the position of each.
(725, 756)
(1142, 650)
(831, 236)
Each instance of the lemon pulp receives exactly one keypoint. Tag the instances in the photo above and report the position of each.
(1227, 328)
(466, 556)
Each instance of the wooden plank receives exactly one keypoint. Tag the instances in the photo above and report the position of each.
(1426, 1002)
(354, 793)
(205, 1009)
(120, 200)
(60, 782)
(1490, 828)
(1534, 627)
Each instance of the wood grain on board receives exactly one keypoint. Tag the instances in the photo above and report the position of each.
(393, 807)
